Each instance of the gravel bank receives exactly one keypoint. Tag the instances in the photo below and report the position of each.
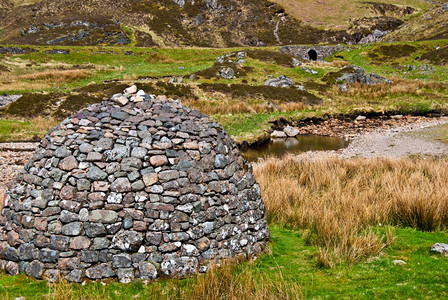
(394, 142)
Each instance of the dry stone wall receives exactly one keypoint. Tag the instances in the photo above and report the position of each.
(134, 187)
(304, 52)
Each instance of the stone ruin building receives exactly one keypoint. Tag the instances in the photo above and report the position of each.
(137, 186)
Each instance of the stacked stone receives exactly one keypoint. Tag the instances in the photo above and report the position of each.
(134, 187)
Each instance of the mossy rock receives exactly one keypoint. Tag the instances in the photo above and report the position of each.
(331, 77)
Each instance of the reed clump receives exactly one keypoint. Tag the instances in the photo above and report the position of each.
(340, 201)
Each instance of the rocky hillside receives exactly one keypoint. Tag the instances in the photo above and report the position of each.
(205, 23)
(221, 23)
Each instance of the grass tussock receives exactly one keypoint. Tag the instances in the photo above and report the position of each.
(339, 201)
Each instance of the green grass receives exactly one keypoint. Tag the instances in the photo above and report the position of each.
(9, 130)
(32, 130)
(424, 275)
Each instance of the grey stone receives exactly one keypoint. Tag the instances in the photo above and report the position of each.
(227, 73)
(278, 134)
(72, 229)
(94, 229)
(127, 240)
(101, 243)
(117, 153)
(48, 255)
(26, 252)
(125, 275)
(103, 216)
(100, 271)
(147, 270)
(281, 81)
(74, 276)
(129, 164)
(291, 131)
(122, 261)
(59, 242)
(440, 248)
(35, 269)
(139, 152)
(96, 174)
(89, 256)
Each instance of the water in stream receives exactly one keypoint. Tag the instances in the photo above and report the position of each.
(303, 143)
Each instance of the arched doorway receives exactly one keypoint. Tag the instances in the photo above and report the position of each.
(312, 54)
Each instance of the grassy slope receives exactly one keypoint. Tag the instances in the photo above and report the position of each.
(336, 14)
(423, 276)
(244, 117)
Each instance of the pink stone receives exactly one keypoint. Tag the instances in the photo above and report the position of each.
(101, 186)
(67, 192)
(158, 160)
(69, 163)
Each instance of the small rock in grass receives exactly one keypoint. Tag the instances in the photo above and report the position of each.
(440, 248)
(399, 262)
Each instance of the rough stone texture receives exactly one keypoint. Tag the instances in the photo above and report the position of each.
(440, 248)
(131, 189)
(357, 74)
(281, 81)
(304, 51)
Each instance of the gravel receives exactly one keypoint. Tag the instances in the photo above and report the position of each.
(394, 142)
(13, 157)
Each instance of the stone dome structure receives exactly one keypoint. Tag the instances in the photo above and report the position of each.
(137, 186)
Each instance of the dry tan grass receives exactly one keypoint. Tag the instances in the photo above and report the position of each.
(236, 106)
(337, 64)
(58, 76)
(228, 281)
(340, 200)
(399, 86)
(40, 80)
(224, 283)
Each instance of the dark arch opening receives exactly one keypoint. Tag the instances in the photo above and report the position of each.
(312, 54)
